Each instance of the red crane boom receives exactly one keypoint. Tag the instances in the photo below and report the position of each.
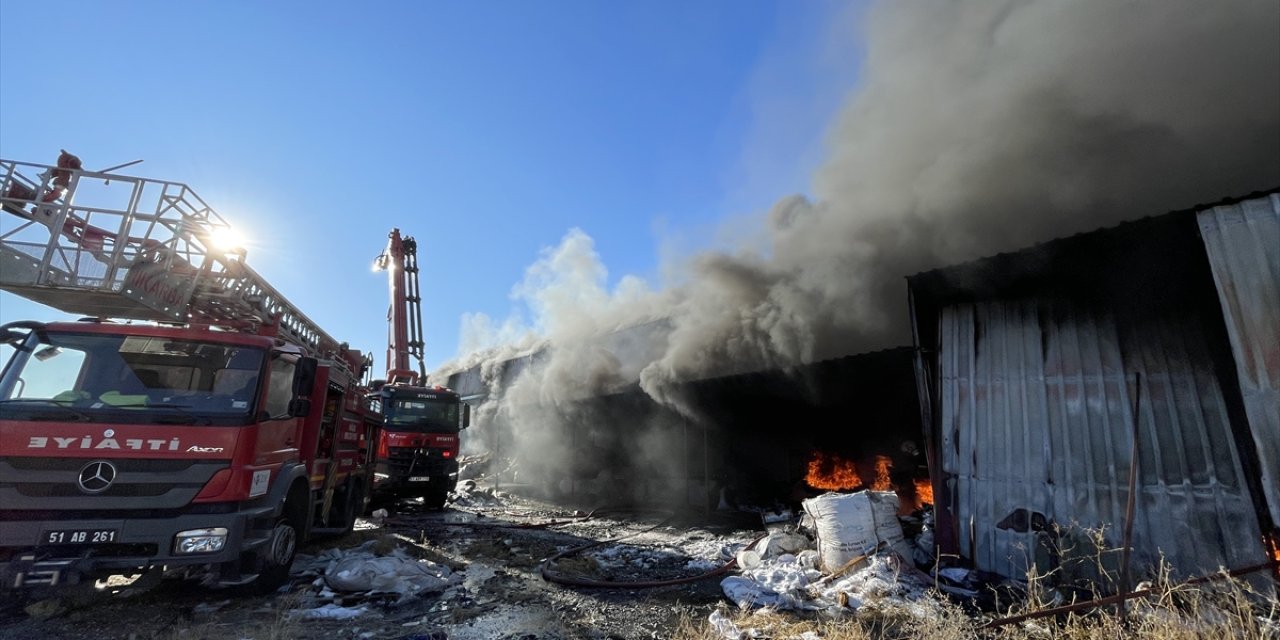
(404, 317)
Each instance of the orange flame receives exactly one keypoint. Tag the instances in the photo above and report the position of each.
(924, 491)
(883, 466)
(831, 472)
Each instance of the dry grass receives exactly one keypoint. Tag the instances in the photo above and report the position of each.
(1223, 609)
(1199, 614)
(772, 624)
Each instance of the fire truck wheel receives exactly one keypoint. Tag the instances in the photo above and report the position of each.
(435, 499)
(282, 546)
(352, 506)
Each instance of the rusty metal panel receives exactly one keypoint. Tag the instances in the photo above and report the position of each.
(1243, 244)
(1036, 405)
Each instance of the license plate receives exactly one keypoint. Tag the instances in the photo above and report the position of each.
(419, 478)
(80, 536)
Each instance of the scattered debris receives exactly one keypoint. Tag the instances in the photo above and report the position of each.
(790, 582)
(724, 626)
(329, 612)
(841, 568)
(362, 571)
(469, 494)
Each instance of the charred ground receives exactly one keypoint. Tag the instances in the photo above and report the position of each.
(495, 553)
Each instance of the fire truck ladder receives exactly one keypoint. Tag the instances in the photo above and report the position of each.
(413, 303)
(117, 246)
(404, 316)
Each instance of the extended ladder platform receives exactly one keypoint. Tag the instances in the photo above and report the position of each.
(117, 246)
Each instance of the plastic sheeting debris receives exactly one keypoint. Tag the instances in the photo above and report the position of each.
(390, 574)
(724, 626)
(786, 583)
(362, 571)
(330, 612)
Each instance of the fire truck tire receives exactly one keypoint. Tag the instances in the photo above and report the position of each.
(352, 506)
(435, 499)
(289, 532)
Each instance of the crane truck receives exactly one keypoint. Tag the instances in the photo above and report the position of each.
(418, 450)
(195, 422)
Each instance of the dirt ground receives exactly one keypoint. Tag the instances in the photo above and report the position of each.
(492, 549)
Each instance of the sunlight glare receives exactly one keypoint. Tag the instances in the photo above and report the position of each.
(226, 239)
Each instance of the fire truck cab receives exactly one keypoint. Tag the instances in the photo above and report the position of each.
(133, 446)
(210, 434)
(418, 449)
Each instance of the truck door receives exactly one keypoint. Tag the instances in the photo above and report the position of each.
(278, 431)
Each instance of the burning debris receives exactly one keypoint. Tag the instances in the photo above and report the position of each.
(833, 472)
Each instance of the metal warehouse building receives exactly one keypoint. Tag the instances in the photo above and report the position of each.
(753, 436)
(1041, 372)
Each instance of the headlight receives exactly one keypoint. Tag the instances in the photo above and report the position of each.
(200, 540)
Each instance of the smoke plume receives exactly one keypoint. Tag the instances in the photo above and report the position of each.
(976, 128)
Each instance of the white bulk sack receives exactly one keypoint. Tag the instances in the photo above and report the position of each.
(849, 525)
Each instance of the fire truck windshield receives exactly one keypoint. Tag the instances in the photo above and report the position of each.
(429, 415)
(134, 379)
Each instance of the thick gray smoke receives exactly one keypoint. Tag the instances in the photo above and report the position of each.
(976, 128)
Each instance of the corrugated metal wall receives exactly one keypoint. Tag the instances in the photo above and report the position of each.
(1037, 413)
(1243, 243)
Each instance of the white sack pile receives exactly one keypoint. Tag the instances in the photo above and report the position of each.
(848, 525)
(780, 573)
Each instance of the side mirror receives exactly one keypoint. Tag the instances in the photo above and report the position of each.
(13, 333)
(466, 415)
(299, 407)
(304, 376)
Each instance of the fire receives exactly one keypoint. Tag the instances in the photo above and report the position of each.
(883, 466)
(924, 491)
(831, 472)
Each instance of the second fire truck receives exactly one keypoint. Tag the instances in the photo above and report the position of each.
(418, 449)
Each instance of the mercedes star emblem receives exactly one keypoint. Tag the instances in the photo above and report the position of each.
(96, 476)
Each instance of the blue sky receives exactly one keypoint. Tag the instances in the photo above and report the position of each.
(487, 130)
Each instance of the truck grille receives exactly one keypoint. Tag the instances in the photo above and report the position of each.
(74, 464)
(52, 484)
(64, 491)
(419, 462)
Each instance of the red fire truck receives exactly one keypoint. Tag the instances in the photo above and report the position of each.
(196, 422)
(418, 450)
